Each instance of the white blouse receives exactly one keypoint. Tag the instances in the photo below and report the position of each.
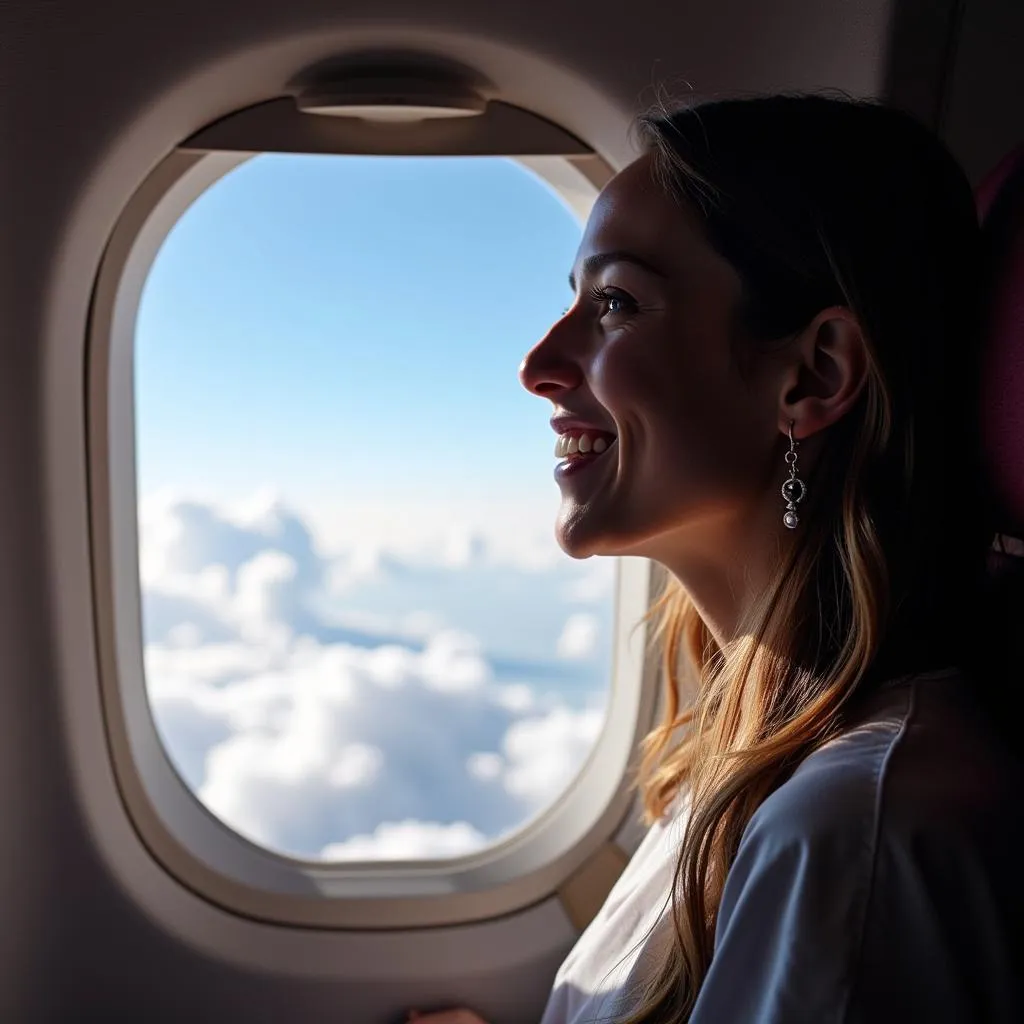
(606, 961)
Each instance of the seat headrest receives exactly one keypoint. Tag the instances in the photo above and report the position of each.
(1000, 202)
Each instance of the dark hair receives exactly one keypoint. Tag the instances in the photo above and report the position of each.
(819, 201)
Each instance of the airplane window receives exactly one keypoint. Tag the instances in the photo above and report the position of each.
(361, 640)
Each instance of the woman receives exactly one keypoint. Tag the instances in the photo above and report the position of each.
(767, 384)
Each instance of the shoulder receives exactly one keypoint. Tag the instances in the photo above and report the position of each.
(919, 793)
(890, 849)
(921, 760)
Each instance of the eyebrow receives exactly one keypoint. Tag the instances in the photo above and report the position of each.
(596, 263)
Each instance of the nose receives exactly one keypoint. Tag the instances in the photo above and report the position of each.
(549, 367)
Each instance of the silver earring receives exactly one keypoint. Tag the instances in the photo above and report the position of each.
(794, 490)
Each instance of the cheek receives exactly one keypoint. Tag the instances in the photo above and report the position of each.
(689, 420)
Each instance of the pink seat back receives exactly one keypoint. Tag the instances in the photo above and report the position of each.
(1001, 210)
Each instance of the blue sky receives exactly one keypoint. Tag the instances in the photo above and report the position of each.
(313, 320)
(361, 639)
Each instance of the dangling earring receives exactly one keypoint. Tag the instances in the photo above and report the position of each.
(794, 490)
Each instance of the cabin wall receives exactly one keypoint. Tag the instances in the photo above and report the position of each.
(984, 107)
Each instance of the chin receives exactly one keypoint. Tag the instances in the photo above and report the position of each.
(580, 536)
(575, 536)
(573, 545)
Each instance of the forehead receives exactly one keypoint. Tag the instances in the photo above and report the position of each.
(633, 213)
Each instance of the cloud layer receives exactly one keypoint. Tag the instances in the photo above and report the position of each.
(365, 703)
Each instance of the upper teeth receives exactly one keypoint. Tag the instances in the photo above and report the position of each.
(582, 443)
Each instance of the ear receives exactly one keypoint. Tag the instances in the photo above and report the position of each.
(826, 374)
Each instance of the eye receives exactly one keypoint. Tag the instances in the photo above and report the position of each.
(615, 303)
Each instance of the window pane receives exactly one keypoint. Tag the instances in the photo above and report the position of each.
(361, 640)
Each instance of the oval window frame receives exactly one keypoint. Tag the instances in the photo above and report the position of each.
(543, 857)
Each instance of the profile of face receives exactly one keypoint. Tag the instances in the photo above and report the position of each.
(668, 436)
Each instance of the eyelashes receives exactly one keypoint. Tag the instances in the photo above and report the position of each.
(607, 296)
(613, 301)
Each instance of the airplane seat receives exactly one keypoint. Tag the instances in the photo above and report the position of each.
(1000, 201)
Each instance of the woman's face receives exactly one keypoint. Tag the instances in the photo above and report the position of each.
(682, 439)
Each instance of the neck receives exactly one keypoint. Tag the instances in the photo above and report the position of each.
(725, 567)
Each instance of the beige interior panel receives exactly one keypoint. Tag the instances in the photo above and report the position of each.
(584, 892)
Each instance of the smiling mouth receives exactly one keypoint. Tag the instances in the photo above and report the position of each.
(583, 446)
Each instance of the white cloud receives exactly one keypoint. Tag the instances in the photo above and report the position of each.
(260, 595)
(544, 754)
(207, 663)
(579, 636)
(259, 566)
(594, 584)
(453, 662)
(408, 840)
(382, 721)
(518, 698)
(485, 765)
(185, 634)
(462, 548)
(500, 530)
(389, 666)
(358, 765)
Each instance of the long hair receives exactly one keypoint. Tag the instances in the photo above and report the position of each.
(818, 201)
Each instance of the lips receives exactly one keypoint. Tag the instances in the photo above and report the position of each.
(572, 430)
(581, 444)
(582, 462)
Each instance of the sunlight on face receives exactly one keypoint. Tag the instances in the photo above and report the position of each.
(646, 354)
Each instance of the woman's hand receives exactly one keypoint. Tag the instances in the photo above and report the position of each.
(461, 1016)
